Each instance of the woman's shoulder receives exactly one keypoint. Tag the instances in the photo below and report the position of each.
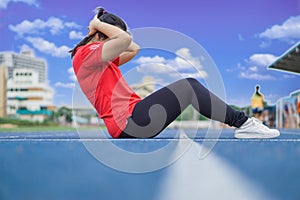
(91, 46)
(84, 50)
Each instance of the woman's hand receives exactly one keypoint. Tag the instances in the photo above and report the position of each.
(94, 23)
(118, 42)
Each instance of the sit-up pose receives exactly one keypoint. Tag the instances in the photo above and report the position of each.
(96, 60)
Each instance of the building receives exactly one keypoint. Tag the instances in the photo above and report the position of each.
(3, 78)
(25, 59)
(287, 111)
(288, 61)
(146, 87)
(288, 108)
(27, 94)
(27, 97)
(86, 116)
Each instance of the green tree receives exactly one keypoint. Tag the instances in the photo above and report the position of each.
(64, 111)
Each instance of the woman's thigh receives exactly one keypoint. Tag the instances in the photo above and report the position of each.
(156, 111)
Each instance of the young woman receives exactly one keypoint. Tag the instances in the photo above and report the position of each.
(96, 60)
(257, 103)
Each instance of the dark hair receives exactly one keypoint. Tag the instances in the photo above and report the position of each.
(257, 92)
(106, 17)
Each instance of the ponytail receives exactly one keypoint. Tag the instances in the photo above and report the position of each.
(106, 17)
(100, 11)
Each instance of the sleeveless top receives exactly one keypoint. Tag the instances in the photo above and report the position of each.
(257, 101)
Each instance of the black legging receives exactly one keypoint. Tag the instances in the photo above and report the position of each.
(156, 111)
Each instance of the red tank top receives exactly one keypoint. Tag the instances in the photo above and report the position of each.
(105, 87)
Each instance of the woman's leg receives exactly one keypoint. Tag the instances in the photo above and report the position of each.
(155, 112)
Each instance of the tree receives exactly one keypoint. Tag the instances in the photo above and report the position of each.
(66, 112)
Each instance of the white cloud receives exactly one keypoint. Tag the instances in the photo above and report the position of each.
(196, 75)
(155, 68)
(288, 76)
(64, 85)
(4, 3)
(183, 65)
(72, 75)
(54, 24)
(255, 76)
(31, 30)
(262, 59)
(37, 26)
(265, 44)
(256, 67)
(156, 64)
(185, 59)
(146, 60)
(253, 68)
(72, 25)
(25, 47)
(288, 30)
(69, 85)
(75, 35)
(48, 47)
(27, 26)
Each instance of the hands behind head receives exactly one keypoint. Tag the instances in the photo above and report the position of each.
(94, 23)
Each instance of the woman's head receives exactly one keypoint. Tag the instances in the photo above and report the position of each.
(109, 18)
(106, 17)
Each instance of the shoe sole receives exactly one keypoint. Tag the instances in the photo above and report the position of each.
(255, 136)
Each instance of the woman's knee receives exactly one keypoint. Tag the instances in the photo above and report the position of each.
(192, 80)
(189, 80)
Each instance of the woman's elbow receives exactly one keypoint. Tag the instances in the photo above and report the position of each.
(137, 51)
(137, 48)
(126, 40)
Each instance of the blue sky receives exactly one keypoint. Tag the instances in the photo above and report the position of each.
(241, 37)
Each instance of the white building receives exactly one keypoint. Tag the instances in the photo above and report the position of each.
(27, 94)
(27, 97)
(25, 59)
(288, 108)
(3, 79)
(288, 111)
(86, 115)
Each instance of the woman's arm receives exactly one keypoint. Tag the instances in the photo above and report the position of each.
(130, 53)
(119, 40)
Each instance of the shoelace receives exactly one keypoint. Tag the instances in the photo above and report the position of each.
(259, 124)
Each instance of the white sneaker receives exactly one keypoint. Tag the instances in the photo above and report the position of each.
(253, 128)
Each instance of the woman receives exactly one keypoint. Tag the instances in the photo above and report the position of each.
(257, 103)
(96, 60)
